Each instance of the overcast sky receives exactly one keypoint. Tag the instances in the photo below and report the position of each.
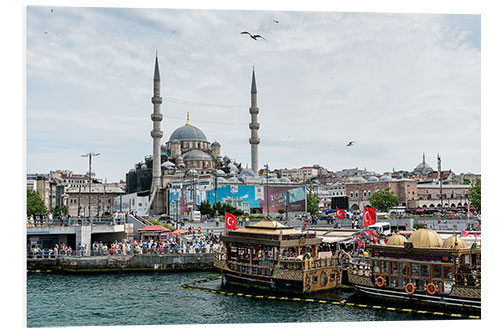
(398, 84)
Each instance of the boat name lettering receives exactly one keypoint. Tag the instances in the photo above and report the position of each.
(411, 256)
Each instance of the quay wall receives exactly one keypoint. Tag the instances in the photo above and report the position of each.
(124, 264)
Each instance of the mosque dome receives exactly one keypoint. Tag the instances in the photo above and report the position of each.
(232, 168)
(385, 179)
(144, 167)
(373, 179)
(221, 180)
(450, 242)
(423, 168)
(220, 173)
(284, 180)
(233, 180)
(168, 165)
(397, 240)
(132, 170)
(247, 173)
(188, 132)
(359, 180)
(197, 155)
(424, 237)
(215, 144)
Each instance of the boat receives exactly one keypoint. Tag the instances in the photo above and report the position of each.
(423, 268)
(273, 256)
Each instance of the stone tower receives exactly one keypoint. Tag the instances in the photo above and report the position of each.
(156, 133)
(254, 127)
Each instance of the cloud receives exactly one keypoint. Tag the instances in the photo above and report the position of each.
(398, 84)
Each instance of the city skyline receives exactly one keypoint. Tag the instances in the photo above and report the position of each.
(399, 85)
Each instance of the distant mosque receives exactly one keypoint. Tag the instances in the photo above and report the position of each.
(188, 152)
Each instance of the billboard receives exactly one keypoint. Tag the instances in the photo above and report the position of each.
(255, 195)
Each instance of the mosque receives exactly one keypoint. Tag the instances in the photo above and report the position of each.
(187, 154)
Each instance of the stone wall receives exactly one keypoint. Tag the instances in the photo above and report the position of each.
(129, 263)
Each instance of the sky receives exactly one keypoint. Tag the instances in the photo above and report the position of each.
(397, 84)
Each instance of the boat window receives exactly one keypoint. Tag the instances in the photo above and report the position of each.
(467, 259)
(436, 271)
(384, 267)
(425, 270)
(395, 268)
(447, 272)
(415, 270)
(403, 268)
(376, 267)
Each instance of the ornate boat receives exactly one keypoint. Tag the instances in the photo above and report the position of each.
(421, 268)
(270, 255)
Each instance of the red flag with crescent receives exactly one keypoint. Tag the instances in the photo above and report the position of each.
(231, 221)
(465, 233)
(340, 213)
(475, 235)
(369, 216)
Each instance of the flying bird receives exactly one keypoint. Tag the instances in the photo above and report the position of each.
(254, 37)
(350, 143)
(275, 21)
(52, 10)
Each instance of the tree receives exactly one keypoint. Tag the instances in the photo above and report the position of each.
(312, 203)
(205, 209)
(225, 207)
(383, 200)
(475, 195)
(34, 203)
(63, 210)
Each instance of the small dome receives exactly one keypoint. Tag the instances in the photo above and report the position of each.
(284, 180)
(232, 168)
(144, 167)
(454, 242)
(385, 179)
(397, 240)
(168, 165)
(247, 173)
(215, 144)
(197, 155)
(220, 173)
(233, 180)
(359, 180)
(132, 170)
(373, 179)
(188, 132)
(424, 237)
(221, 180)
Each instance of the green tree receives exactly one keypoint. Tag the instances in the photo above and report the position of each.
(205, 209)
(225, 207)
(34, 203)
(312, 203)
(383, 200)
(57, 210)
(475, 195)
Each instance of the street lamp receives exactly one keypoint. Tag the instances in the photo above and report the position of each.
(192, 174)
(267, 187)
(89, 155)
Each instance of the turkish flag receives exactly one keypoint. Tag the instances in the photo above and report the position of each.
(369, 216)
(368, 232)
(465, 233)
(340, 213)
(375, 239)
(231, 221)
(475, 235)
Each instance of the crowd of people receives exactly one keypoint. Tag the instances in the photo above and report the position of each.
(194, 241)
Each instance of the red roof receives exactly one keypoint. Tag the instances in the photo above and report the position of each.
(153, 228)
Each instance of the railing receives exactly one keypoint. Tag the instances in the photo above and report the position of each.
(50, 253)
(74, 221)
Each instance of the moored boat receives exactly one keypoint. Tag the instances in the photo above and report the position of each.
(270, 255)
(421, 268)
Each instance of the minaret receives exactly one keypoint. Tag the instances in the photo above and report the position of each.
(254, 126)
(156, 133)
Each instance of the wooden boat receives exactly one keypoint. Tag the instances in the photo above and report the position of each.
(270, 255)
(421, 268)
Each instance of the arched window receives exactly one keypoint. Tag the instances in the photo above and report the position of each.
(357, 194)
(369, 193)
(352, 195)
(364, 194)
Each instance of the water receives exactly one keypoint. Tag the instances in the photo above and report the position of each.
(156, 299)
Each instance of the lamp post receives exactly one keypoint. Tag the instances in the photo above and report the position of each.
(192, 174)
(267, 187)
(89, 155)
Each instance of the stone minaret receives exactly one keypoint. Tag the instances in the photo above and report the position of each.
(156, 133)
(254, 127)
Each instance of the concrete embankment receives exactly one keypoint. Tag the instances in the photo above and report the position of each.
(124, 264)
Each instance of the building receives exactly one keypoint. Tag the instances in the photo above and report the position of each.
(453, 196)
(102, 198)
(360, 190)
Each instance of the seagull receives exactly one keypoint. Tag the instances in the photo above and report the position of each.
(350, 143)
(275, 21)
(254, 37)
(52, 10)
